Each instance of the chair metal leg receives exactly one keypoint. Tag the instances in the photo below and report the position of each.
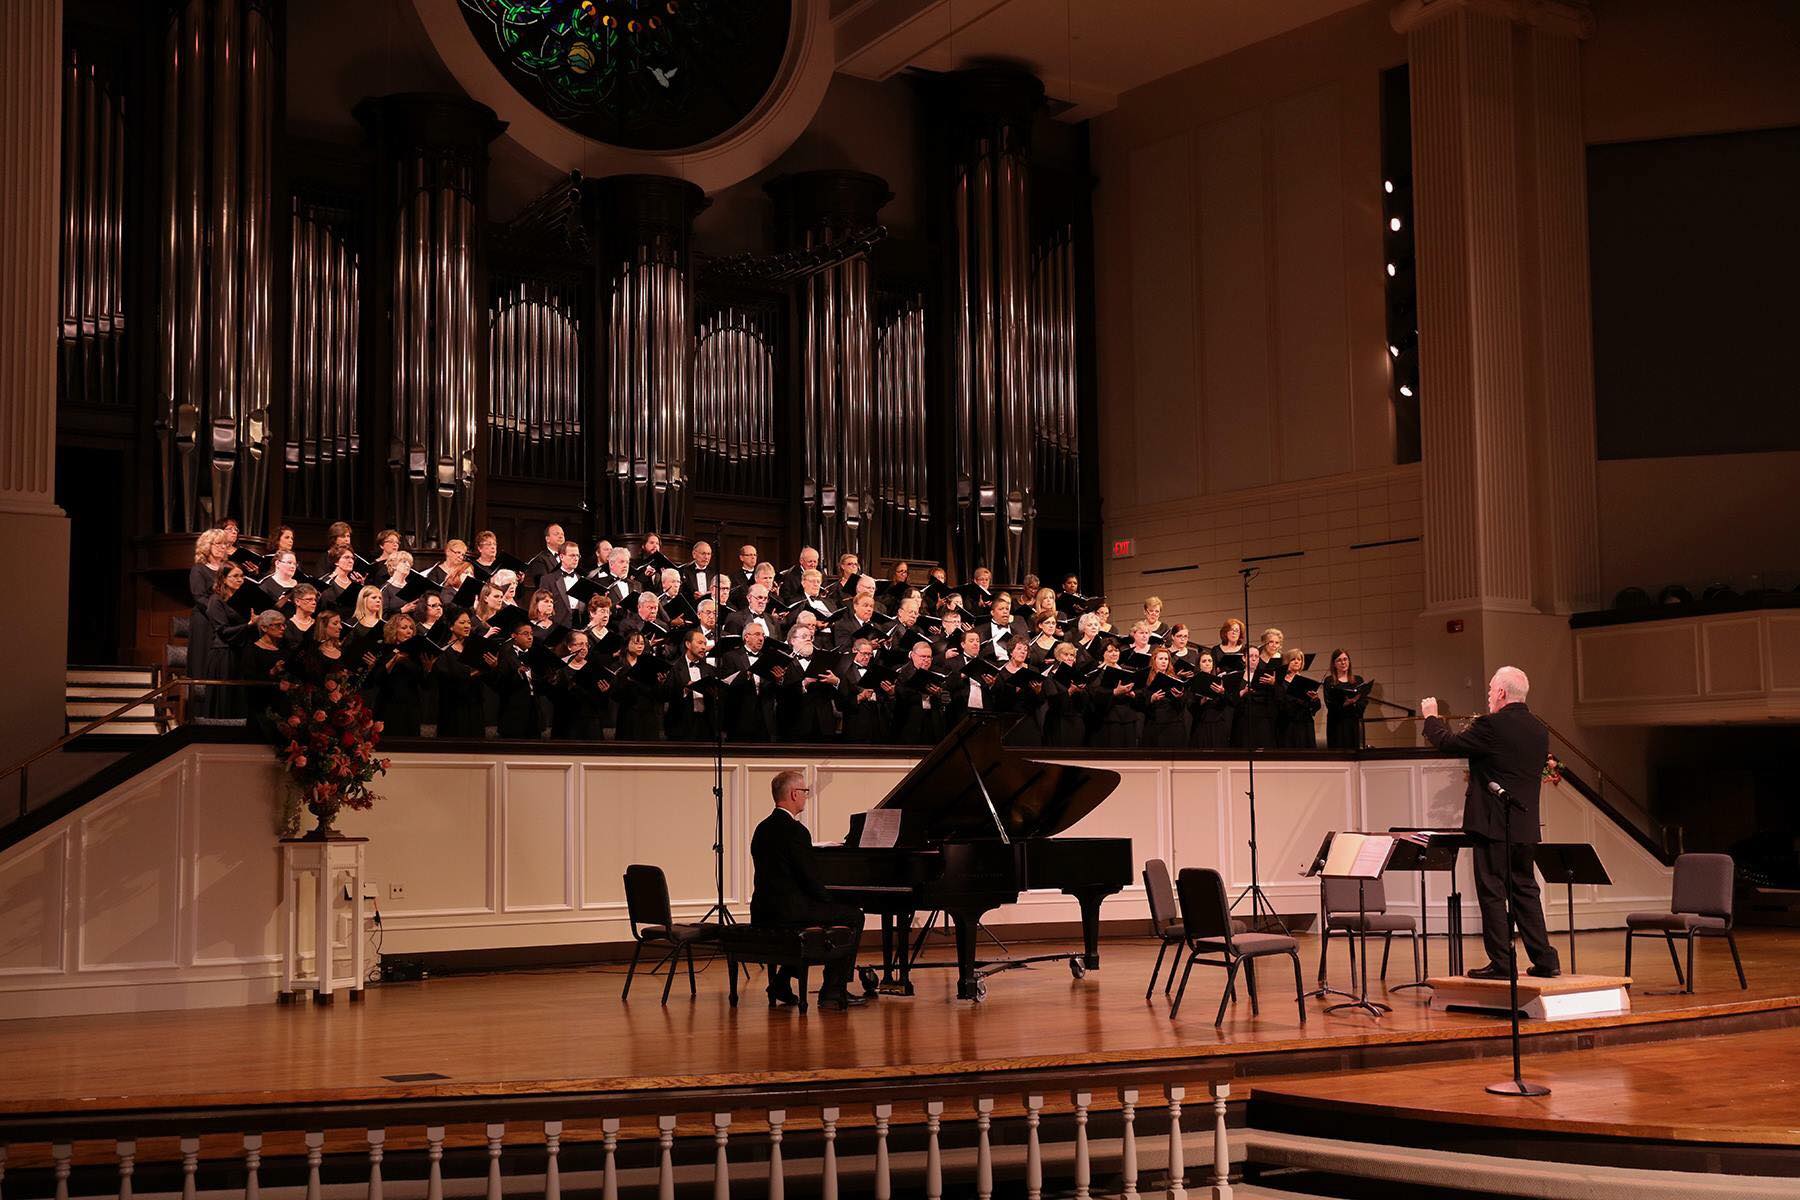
(1690, 977)
(1630, 937)
(1669, 941)
(1182, 990)
(626, 994)
(671, 960)
(1250, 982)
(1299, 988)
(1174, 962)
(693, 987)
(1387, 944)
(1731, 940)
(1156, 971)
(1231, 967)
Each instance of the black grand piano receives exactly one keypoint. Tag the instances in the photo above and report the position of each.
(977, 827)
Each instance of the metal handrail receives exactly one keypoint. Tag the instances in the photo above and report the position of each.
(22, 768)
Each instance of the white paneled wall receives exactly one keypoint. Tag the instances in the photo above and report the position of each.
(163, 893)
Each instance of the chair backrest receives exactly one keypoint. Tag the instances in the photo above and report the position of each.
(1340, 895)
(1704, 885)
(1161, 893)
(647, 896)
(1205, 914)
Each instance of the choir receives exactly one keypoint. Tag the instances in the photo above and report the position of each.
(640, 648)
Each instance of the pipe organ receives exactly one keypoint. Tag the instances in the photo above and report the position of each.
(322, 444)
(215, 239)
(643, 225)
(1053, 383)
(901, 482)
(91, 276)
(534, 382)
(433, 155)
(734, 403)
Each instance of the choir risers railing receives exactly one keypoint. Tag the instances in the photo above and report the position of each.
(877, 1139)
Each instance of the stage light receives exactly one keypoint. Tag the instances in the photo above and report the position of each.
(1390, 270)
(1387, 185)
(1393, 350)
(1394, 224)
(1406, 389)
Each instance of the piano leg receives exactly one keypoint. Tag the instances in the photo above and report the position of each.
(969, 985)
(1090, 899)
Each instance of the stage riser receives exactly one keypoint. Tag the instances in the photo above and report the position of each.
(163, 892)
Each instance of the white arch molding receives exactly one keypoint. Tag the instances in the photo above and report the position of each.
(784, 111)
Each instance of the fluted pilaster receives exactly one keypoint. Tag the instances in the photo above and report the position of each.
(31, 115)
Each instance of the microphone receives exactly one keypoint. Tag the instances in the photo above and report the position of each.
(1494, 787)
(1503, 796)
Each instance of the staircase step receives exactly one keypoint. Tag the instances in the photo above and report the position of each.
(147, 729)
(123, 676)
(89, 709)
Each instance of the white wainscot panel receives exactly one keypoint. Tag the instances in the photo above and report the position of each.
(538, 836)
(237, 869)
(432, 834)
(1295, 808)
(1196, 816)
(129, 901)
(31, 896)
(840, 789)
(1387, 802)
(660, 813)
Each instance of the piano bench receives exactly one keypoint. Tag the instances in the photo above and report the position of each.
(789, 946)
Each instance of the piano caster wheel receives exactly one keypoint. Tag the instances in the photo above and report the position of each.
(976, 991)
(871, 983)
(1078, 968)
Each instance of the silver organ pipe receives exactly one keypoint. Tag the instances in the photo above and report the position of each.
(91, 232)
(1053, 368)
(900, 401)
(214, 226)
(534, 363)
(734, 403)
(318, 463)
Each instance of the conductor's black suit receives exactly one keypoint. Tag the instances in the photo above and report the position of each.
(1507, 747)
(788, 892)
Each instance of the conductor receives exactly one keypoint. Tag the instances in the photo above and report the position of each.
(787, 892)
(1507, 747)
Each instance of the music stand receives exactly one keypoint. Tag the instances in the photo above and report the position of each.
(1435, 857)
(1324, 990)
(1570, 863)
(1368, 861)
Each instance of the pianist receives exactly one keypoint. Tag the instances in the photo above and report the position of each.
(788, 892)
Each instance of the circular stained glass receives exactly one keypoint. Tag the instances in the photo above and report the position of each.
(643, 74)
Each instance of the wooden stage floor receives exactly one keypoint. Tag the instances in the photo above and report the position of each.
(567, 1029)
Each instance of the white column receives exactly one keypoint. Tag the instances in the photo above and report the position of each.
(32, 528)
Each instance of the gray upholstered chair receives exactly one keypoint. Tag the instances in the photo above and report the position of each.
(1207, 925)
(1340, 914)
(1165, 921)
(1700, 907)
(653, 921)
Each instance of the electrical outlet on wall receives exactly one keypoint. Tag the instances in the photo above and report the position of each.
(396, 891)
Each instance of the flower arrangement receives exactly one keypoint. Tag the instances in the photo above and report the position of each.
(1552, 772)
(327, 740)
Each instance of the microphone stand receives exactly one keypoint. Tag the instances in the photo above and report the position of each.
(1516, 1086)
(716, 711)
(1259, 900)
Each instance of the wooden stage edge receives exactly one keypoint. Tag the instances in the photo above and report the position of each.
(563, 1032)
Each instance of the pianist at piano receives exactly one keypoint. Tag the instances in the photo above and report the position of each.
(787, 891)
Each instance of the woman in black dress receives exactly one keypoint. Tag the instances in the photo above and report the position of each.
(1164, 704)
(264, 664)
(1256, 694)
(459, 685)
(211, 551)
(1065, 717)
(1299, 705)
(1113, 706)
(581, 706)
(1044, 644)
(342, 580)
(325, 656)
(214, 641)
(1345, 700)
(304, 617)
(642, 691)
(398, 680)
(1027, 697)
(1211, 729)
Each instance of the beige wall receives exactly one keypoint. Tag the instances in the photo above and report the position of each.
(1239, 272)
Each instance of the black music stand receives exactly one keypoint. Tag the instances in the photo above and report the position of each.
(1362, 874)
(1434, 858)
(1324, 991)
(1570, 863)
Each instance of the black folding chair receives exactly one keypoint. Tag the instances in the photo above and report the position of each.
(652, 921)
(1206, 922)
(1701, 906)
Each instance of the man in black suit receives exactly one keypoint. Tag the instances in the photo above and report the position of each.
(548, 560)
(1508, 746)
(692, 710)
(787, 892)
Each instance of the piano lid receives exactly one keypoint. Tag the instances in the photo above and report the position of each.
(942, 800)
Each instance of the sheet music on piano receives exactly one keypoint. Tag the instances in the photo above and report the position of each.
(880, 829)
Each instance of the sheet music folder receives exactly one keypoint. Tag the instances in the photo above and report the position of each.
(1352, 855)
(1569, 863)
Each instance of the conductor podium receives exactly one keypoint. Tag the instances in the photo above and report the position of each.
(1564, 998)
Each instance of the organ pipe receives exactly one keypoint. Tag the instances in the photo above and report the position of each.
(1052, 365)
(901, 484)
(90, 279)
(534, 369)
(734, 403)
(216, 209)
(433, 166)
(322, 451)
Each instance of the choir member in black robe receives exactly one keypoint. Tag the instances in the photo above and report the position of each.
(581, 700)
(305, 615)
(558, 581)
(1153, 609)
(694, 692)
(325, 657)
(1228, 655)
(387, 544)
(1184, 656)
(546, 561)
(1164, 704)
(400, 569)
(1065, 718)
(1210, 706)
(756, 610)
(1112, 705)
(1019, 688)
(1040, 649)
(805, 702)
(214, 641)
(971, 676)
(749, 697)
(519, 712)
(363, 633)
(1000, 628)
(864, 708)
(1256, 696)
(1299, 706)
(540, 615)
(642, 692)
(341, 579)
(1346, 696)
(337, 540)
(211, 553)
(398, 680)
(919, 701)
(460, 699)
(281, 581)
(264, 665)
(454, 571)
(698, 575)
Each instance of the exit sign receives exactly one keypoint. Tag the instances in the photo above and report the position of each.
(1122, 548)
